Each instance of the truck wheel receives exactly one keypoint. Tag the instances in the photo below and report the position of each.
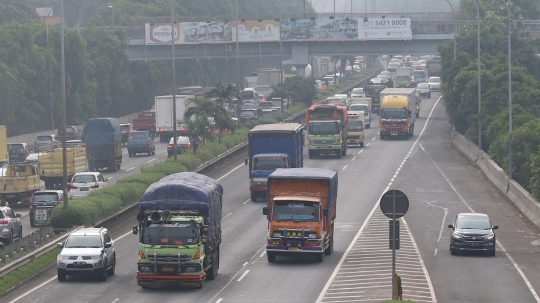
(113, 167)
(330, 248)
(361, 144)
(118, 166)
(254, 197)
(320, 257)
(310, 154)
(345, 150)
(338, 153)
(271, 256)
(381, 136)
(213, 270)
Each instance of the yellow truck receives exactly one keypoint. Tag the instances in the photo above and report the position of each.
(355, 136)
(19, 184)
(4, 155)
(397, 113)
(51, 168)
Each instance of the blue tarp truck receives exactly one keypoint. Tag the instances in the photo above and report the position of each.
(103, 140)
(179, 231)
(273, 146)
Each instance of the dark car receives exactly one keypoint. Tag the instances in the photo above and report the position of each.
(248, 115)
(424, 90)
(266, 105)
(472, 232)
(18, 151)
(72, 133)
(41, 206)
(46, 143)
(125, 129)
(140, 142)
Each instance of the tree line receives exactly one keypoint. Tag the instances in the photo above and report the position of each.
(100, 79)
(460, 87)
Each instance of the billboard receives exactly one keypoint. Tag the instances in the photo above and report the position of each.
(326, 29)
(385, 29)
(253, 31)
(161, 33)
(201, 32)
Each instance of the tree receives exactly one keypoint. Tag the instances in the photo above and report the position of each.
(197, 131)
(226, 93)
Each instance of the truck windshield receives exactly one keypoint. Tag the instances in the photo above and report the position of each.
(419, 74)
(269, 163)
(403, 78)
(178, 233)
(370, 91)
(295, 211)
(359, 108)
(356, 125)
(393, 113)
(323, 128)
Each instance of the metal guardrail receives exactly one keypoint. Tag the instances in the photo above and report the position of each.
(124, 214)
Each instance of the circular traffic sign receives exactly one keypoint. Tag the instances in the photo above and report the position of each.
(397, 198)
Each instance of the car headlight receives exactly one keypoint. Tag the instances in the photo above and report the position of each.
(146, 268)
(490, 236)
(190, 268)
(62, 258)
(97, 257)
(277, 234)
(312, 236)
(456, 236)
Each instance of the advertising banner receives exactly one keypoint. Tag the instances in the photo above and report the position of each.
(327, 29)
(204, 32)
(161, 33)
(255, 31)
(385, 29)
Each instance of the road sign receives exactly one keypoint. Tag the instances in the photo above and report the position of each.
(387, 204)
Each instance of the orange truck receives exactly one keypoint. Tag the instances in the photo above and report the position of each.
(301, 212)
(397, 112)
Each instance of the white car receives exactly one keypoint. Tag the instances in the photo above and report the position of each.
(376, 81)
(84, 183)
(434, 83)
(358, 92)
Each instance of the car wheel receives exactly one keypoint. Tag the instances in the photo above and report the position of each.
(491, 253)
(61, 275)
(103, 273)
(130, 154)
(110, 272)
(271, 256)
(20, 233)
(10, 240)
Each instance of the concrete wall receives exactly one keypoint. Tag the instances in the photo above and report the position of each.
(509, 188)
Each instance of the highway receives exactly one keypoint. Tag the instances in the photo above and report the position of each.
(439, 183)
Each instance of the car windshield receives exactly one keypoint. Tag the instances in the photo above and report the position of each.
(323, 128)
(373, 90)
(247, 114)
(434, 80)
(423, 85)
(403, 78)
(84, 241)
(45, 197)
(177, 233)
(269, 163)
(472, 223)
(137, 136)
(125, 127)
(295, 211)
(247, 95)
(2, 215)
(266, 104)
(15, 147)
(357, 91)
(44, 138)
(357, 125)
(359, 108)
(83, 178)
(393, 113)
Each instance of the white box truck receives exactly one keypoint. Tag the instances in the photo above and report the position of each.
(363, 105)
(164, 115)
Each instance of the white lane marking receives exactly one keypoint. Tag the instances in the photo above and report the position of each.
(435, 252)
(116, 300)
(219, 300)
(230, 172)
(244, 265)
(110, 178)
(336, 270)
(33, 289)
(151, 160)
(443, 220)
(373, 138)
(344, 167)
(262, 254)
(422, 147)
(368, 144)
(131, 168)
(227, 216)
(359, 152)
(353, 158)
(243, 275)
(516, 266)
(166, 154)
(378, 133)
(124, 153)
(247, 201)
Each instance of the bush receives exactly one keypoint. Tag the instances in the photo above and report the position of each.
(166, 168)
(144, 178)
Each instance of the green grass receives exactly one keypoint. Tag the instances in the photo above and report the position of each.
(22, 273)
(332, 90)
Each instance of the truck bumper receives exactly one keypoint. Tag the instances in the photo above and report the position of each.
(324, 148)
(257, 188)
(292, 250)
(292, 245)
(185, 280)
(394, 133)
(355, 141)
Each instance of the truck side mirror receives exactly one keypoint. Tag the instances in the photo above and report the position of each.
(60, 245)
(325, 212)
(246, 161)
(265, 211)
(450, 226)
(135, 229)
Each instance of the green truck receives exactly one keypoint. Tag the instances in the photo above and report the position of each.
(179, 231)
(327, 130)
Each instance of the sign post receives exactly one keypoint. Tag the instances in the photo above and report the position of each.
(394, 204)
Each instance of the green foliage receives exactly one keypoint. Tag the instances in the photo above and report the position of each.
(297, 89)
(145, 178)
(167, 168)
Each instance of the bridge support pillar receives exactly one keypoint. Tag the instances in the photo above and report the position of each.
(300, 58)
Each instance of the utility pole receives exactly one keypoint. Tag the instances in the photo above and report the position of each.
(63, 77)
(173, 51)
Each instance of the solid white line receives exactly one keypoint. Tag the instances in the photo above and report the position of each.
(336, 270)
(435, 252)
(227, 216)
(246, 263)
(33, 289)
(373, 138)
(219, 300)
(231, 171)
(247, 201)
(131, 168)
(422, 147)
(262, 254)
(243, 275)
(116, 300)
(151, 160)
(443, 220)
(344, 167)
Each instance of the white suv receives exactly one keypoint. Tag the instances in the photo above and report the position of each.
(87, 251)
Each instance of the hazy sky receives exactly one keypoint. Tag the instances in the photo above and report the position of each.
(398, 6)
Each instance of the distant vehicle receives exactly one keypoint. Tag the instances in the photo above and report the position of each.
(140, 142)
(182, 143)
(125, 129)
(392, 68)
(46, 143)
(266, 105)
(33, 158)
(87, 251)
(268, 113)
(18, 151)
(435, 83)
(10, 225)
(42, 205)
(424, 90)
(197, 91)
(146, 120)
(250, 94)
(103, 143)
(72, 133)
(247, 115)
(472, 232)
(84, 183)
(376, 81)
(358, 92)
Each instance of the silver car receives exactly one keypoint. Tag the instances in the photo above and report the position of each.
(10, 225)
(87, 251)
(434, 83)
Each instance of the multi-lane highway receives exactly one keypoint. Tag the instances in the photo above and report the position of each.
(439, 182)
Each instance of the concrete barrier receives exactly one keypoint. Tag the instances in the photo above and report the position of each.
(509, 188)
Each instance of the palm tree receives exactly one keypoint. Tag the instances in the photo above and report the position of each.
(205, 108)
(225, 93)
(197, 131)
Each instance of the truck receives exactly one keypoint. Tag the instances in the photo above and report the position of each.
(356, 128)
(420, 73)
(327, 130)
(4, 154)
(103, 141)
(403, 77)
(164, 114)
(272, 146)
(51, 165)
(18, 184)
(397, 112)
(301, 212)
(179, 227)
(146, 121)
(373, 91)
(364, 105)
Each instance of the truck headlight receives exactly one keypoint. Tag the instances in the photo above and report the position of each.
(277, 234)
(361, 137)
(145, 268)
(190, 269)
(312, 236)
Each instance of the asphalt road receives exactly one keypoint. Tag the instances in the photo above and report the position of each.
(439, 183)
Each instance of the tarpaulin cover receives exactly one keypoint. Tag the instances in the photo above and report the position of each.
(188, 191)
(101, 131)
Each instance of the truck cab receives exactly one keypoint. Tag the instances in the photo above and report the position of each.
(262, 166)
(327, 130)
(19, 184)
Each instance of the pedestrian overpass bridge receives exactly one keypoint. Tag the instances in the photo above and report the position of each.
(429, 30)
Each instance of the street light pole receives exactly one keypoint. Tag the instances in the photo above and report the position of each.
(63, 77)
(479, 81)
(454, 19)
(509, 92)
(112, 11)
(50, 81)
(173, 51)
(237, 44)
